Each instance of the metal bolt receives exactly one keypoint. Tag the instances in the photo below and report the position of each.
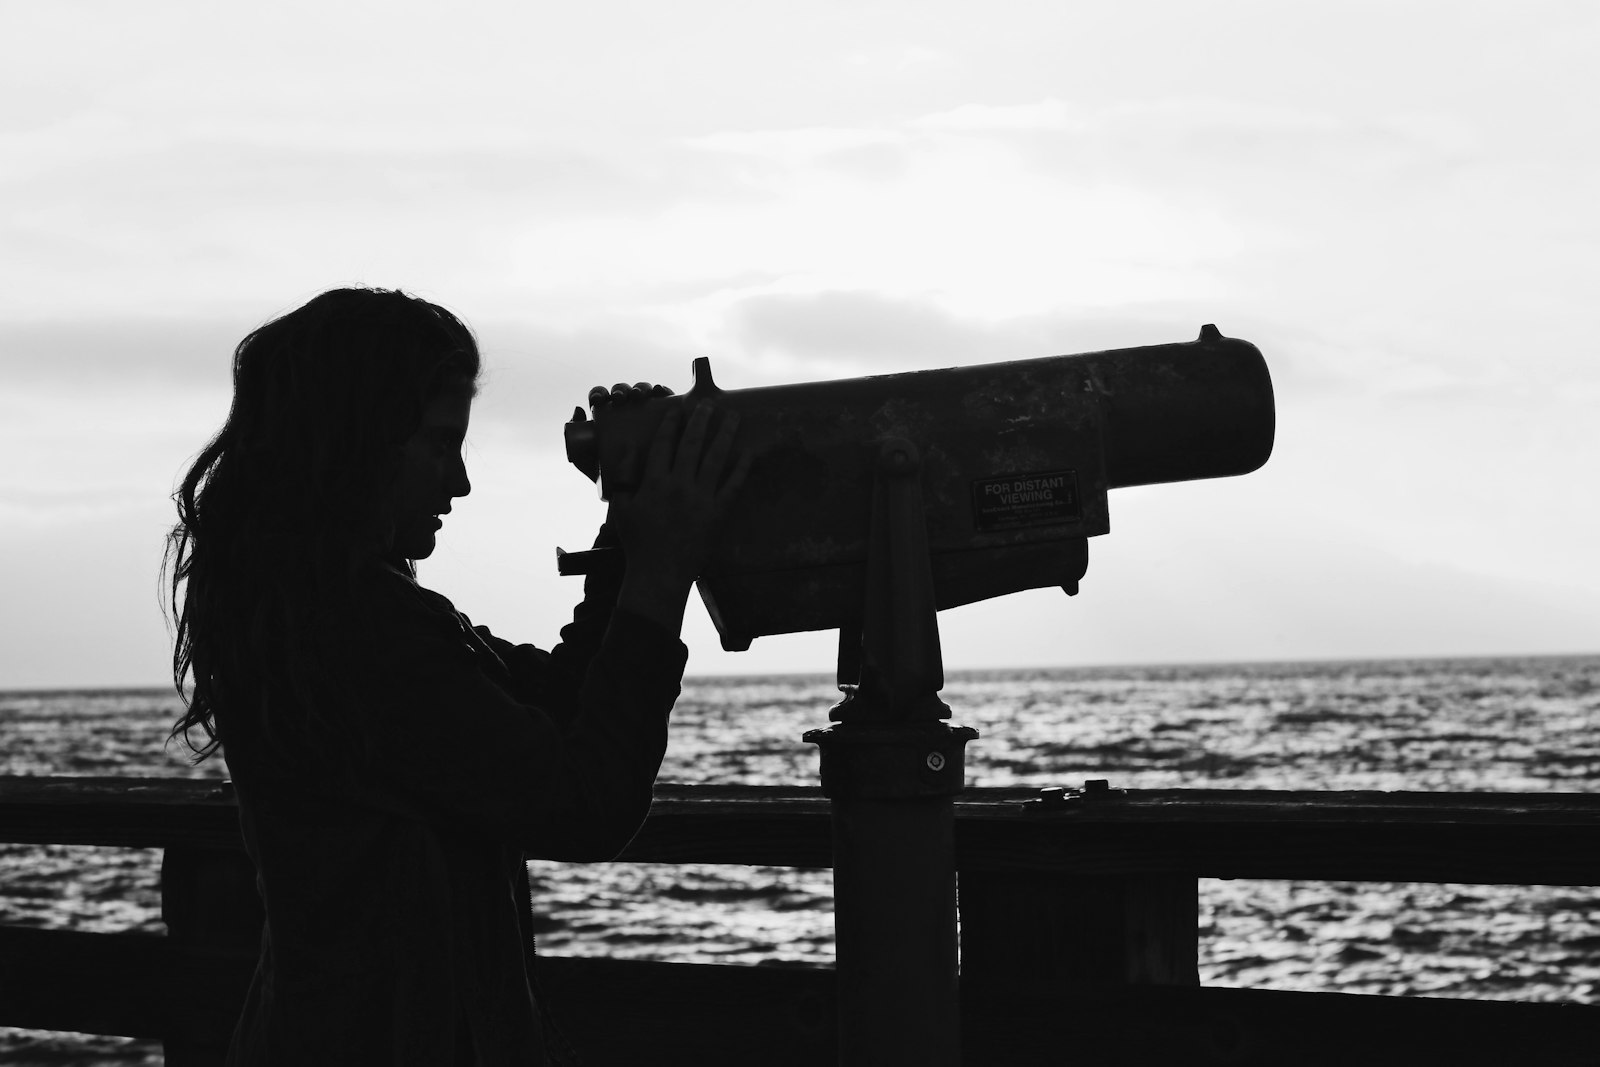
(1051, 798)
(935, 761)
(1100, 789)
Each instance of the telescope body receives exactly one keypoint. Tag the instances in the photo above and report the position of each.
(1016, 460)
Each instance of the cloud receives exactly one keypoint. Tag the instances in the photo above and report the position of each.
(100, 355)
(1245, 131)
(82, 603)
(1241, 568)
(1190, 597)
(845, 328)
(793, 145)
(868, 332)
(1050, 114)
(1278, 178)
(534, 375)
(218, 222)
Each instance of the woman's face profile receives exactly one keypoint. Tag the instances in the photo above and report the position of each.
(432, 473)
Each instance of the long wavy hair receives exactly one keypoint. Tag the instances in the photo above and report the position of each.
(291, 501)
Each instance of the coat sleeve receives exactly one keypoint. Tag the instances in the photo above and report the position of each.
(570, 778)
(553, 679)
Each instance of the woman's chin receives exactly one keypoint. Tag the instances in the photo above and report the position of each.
(418, 546)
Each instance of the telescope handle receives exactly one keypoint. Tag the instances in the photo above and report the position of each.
(590, 561)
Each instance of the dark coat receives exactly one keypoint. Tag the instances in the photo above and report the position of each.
(395, 892)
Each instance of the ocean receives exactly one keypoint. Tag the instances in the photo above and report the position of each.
(1508, 724)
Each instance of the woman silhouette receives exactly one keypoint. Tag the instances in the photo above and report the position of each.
(394, 763)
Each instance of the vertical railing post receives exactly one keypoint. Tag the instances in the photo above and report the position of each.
(1133, 929)
(212, 911)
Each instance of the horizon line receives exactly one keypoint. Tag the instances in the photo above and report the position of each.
(1117, 665)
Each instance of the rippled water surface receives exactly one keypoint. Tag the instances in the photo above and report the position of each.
(1483, 724)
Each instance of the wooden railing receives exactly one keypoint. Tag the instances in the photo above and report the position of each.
(1078, 927)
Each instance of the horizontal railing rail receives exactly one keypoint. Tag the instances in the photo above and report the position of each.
(1078, 923)
(1518, 838)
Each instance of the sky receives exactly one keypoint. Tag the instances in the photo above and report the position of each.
(1394, 201)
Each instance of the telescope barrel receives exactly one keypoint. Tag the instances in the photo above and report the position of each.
(1017, 459)
(1179, 413)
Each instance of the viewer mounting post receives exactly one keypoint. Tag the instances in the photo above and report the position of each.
(891, 768)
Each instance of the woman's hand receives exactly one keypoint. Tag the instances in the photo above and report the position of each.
(623, 393)
(666, 523)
